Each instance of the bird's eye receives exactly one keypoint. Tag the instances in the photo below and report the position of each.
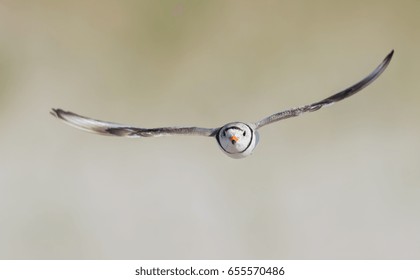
(244, 133)
(224, 133)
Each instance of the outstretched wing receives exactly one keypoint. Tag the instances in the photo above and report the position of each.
(330, 100)
(109, 128)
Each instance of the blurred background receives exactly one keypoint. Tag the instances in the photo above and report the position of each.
(341, 183)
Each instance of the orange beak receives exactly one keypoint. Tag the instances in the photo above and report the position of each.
(234, 138)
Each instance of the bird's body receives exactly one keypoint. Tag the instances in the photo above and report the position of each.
(236, 139)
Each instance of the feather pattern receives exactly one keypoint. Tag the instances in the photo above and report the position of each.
(294, 112)
(115, 129)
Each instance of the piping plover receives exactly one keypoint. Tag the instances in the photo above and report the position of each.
(236, 139)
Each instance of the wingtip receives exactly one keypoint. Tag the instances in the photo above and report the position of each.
(389, 56)
(55, 112)
(386, 60)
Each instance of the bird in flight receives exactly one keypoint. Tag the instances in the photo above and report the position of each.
(236, 139)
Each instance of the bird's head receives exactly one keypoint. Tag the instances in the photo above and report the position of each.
(237, 139)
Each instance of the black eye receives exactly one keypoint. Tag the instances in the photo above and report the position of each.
(244, 133)
(224, 133)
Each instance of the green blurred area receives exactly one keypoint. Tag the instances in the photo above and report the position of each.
(341, 183)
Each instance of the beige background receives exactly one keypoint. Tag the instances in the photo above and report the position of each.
(341, 183)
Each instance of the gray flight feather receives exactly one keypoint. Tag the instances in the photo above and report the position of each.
(109, 128)
(330, 100)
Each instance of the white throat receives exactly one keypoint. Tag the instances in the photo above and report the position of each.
(237, 139)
